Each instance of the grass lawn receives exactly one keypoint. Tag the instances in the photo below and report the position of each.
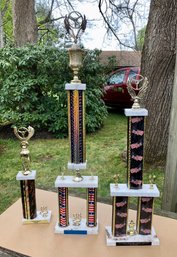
(104, 150)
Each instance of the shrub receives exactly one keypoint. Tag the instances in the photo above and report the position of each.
(32, 81)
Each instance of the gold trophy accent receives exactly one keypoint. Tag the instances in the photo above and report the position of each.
(152, 179)
(75, 25)
(24, 134)
(131, 228)
(78, 177)
(62, 174)
(116, 179)
(137, 89)
(77, 217)
(44, 211)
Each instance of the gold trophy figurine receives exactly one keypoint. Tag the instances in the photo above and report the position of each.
(132, 228)
(116, 179)
(152, 180)
(137, 89)
(77, 217)
(75, 25)
(24, 134)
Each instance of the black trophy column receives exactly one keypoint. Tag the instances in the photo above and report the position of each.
(145, 212)
(28, 199)
(119, 215)
(135, 152)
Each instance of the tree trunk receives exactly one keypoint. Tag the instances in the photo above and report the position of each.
(158, 63)
(170, 184)
(1, 31)
(24, 22)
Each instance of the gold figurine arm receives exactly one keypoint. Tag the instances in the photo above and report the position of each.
(20, 133)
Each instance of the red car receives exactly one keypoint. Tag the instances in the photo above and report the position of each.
(115, 90)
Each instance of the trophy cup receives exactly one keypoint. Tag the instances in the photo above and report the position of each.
(121, 231)
(75, 25)
(27, 181)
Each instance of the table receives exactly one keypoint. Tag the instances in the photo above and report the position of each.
(39, 240)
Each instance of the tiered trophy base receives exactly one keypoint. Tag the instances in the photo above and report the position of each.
(136, 239)
(82, 229)
(40, 219)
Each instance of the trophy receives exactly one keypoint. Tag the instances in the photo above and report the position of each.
(121, 232)
(137, 89)
(75, 25)
(27, 181)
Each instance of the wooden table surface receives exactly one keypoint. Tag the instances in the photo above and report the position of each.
(39, 240)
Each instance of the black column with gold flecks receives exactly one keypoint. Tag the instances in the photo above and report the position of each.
(119, 215)
(28, 199)
(76, 121)
(135, 152)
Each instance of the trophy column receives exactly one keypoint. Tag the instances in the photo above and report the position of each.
(28, 195)
(92, 207)
(63, 220)
(136, 120)
(145, 213)
(76, 125)
(119, 215)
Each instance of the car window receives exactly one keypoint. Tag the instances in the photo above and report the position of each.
(132, 74)
(117, 78)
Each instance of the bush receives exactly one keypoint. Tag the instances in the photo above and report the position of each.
(32, 81)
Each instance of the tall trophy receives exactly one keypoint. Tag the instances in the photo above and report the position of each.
(122, 230)
(75, 25)
(27, 182)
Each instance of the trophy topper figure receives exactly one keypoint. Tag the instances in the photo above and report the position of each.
(137, 89)
(75, 25)
(24, 134)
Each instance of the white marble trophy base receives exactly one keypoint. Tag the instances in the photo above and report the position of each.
(40, 219)
(145, 191)
(77, 166)
(67, 181)
(136, 112)
(131, 240)
(31, 176)
(82, 229)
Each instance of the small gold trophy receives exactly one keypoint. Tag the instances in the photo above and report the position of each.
(24, 134)
(116, 179)
(152, 179)
(77, 217)
(44, 211)
(131, 228)
(137, 89)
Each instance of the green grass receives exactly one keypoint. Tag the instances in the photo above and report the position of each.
(104, 151)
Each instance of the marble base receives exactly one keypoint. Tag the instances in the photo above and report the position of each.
(39, 219)
(145, 191)
(131, 240)
(31, 176)
(75, 86)
(77, 166)
(82, 229)
(67, 181)
(136, 112)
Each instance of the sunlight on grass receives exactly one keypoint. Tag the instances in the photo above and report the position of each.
(104, 150)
